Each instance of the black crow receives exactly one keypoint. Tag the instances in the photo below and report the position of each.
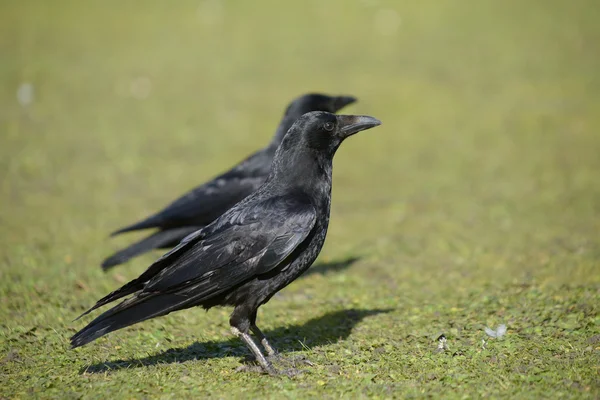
(203, 204)
(250, 252)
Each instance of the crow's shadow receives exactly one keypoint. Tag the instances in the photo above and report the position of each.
(325, 268)
(327, 329)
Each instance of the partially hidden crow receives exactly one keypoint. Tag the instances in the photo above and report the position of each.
(250, 252)
(203, 204)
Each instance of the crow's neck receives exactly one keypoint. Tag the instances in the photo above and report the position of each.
(307, 170)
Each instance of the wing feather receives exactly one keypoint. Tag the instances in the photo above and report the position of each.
(248, 240)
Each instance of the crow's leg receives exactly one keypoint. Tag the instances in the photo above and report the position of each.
(247, 339)
(263, 340)
(240, 324)
(261, 336)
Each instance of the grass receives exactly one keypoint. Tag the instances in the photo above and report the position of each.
(477, 202)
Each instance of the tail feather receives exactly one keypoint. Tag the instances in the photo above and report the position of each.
(131, 287)
(146, 305)
(129, 312)
(160, 239)
(150, 304)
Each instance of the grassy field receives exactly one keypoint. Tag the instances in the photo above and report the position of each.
(477, 203)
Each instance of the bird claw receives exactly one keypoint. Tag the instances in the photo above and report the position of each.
(304, 360)
(257, 369)
(288, 366)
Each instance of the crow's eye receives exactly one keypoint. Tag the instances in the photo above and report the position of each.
(328, 126)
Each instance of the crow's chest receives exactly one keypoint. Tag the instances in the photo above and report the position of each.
(304, 258)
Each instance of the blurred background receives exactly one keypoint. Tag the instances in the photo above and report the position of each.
(110, 110)
(479, 192)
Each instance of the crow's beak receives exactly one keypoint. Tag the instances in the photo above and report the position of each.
(351, 124)
(340, 102)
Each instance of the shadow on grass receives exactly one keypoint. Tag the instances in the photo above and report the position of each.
(325, 268)
(327, 329)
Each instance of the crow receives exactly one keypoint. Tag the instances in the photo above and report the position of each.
(203, 204)
(250, 252)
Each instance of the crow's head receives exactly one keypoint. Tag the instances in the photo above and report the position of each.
(306, 152)
(326, 131)
(321, 132)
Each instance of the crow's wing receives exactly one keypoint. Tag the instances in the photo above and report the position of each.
(246, 241)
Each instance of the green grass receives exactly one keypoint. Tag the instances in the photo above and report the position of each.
(477, 202)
